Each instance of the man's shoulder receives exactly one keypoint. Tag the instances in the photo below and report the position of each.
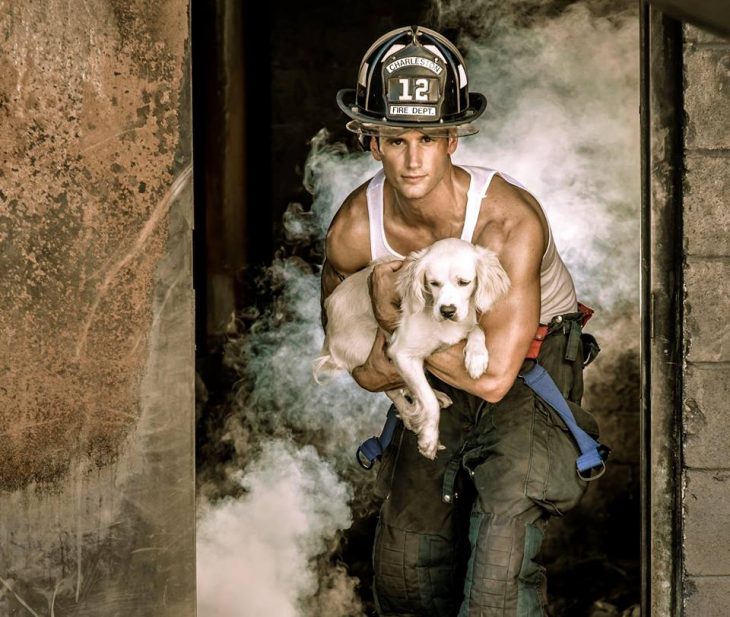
(510, 214)
(348, 238)
(353, 211)
(510, 197)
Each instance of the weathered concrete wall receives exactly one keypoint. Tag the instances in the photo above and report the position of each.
(96, 378)
(705, 394)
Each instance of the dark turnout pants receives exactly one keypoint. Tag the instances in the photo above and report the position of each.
(459, 535)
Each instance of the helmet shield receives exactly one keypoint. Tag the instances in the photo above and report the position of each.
(412, 78)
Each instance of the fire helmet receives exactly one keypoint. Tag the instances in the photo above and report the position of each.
(412, 78)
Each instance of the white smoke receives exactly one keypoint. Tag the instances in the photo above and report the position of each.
(563, 120)
(279, 396)
(255, 553)
(332, 173)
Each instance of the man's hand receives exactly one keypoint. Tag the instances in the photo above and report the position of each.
(378, 373)
(383, 294)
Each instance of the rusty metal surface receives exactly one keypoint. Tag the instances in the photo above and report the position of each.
(95, 309)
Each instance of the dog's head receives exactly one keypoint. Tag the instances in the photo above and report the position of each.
(451, 276)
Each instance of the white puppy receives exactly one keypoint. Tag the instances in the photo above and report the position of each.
(443, 287)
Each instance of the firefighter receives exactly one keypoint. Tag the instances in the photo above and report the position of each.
(459, 535)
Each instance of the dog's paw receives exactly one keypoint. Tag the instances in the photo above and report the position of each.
(407, 407)
(410, 419)
(428, 437)
(443, 399)
(415, 417)
(428, 443)
(476, 360)
(407, 421)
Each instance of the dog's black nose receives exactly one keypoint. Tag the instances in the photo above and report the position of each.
(448, 311)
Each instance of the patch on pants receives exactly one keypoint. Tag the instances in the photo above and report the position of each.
(503, 577)
(415, 573)
(532, 581)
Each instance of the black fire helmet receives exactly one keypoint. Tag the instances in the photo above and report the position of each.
(412, 78)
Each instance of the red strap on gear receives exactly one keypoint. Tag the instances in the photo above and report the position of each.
(542, 332)
(587, 313)
(534, 349)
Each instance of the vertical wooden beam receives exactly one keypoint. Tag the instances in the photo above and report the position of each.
(661, 311)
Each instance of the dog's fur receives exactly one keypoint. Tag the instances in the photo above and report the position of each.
(443, 287)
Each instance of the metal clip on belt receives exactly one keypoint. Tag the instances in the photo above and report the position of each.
(373, 448)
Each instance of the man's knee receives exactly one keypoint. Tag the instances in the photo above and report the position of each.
(503, 577)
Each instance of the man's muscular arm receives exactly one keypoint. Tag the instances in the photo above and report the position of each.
(347, 246)
(511, 323)
(347, 251)
(386, 300)
(331, 278)
(378, 373)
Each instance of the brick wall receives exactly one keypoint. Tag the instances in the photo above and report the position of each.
(706, 270)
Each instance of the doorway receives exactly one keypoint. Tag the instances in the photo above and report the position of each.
(562, 83)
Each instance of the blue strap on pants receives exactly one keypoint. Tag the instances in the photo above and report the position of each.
(592, 453)
(374, 447)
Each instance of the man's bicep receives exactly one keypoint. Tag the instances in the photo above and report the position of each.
(512, 322)
(344, 255)
(347, 246)
(331, 278)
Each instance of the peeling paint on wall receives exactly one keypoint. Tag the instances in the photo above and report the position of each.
(96, 310)
(89, 132)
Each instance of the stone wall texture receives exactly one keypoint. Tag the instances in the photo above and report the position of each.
(706, 251)
(96, 304)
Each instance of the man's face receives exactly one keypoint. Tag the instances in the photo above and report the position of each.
(414, 162)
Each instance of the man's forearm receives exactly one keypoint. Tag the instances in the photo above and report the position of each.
(373, 380)
(448, 365)
(378, 373)
(383, 294)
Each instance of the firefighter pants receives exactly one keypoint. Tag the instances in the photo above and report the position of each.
(459, 536)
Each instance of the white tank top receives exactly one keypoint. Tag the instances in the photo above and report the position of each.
(557, 291)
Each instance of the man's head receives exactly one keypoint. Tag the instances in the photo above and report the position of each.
(412, 78)
(414, 161)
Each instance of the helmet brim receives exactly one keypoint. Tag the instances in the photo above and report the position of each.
(370, 124)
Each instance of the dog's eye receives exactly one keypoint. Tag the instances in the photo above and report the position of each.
(434, 284)
(463, 283)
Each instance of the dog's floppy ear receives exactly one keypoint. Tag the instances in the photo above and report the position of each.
(411, 284)
(492, 280)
